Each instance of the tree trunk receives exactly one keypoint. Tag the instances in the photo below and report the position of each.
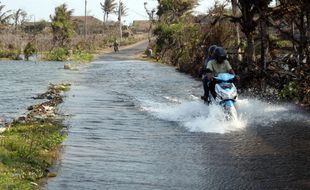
(302, 38)
(308, 30)
(149, 32)
(250, 50)
(293, 40)
(237, 31)
(264, 47)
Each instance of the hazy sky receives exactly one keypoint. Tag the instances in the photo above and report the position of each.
(41, 9)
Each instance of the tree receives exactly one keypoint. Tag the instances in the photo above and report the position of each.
(122, 9)
(121, 12)
(30, 50)
(172, 10)
(298, 13)
(248, 22)
(108, 7)
(234, 5)
(61, 25)
(150, 13)
(19, 17)
(5, 16)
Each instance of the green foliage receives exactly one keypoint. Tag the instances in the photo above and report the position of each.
(9, 54)
(82, 57)
(290, 91)
(62, 54)
(283, 44)
(26, 151)
(165, 33)
(29, 50)
(58, 54)
(172, 10)
(61, 25)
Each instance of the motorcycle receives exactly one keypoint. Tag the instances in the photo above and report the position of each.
(116, 48)
(225, 94)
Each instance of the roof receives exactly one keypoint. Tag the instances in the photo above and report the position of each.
(90, 19)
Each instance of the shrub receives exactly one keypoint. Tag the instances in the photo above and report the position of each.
(9, 54)
(58, 54)
(290, 91)
(82, 57)
(29, 50)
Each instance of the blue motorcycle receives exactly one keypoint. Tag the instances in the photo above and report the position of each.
(225, 94)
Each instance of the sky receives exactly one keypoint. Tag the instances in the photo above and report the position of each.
(42, 9)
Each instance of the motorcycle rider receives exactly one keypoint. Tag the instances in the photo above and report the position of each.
(203, 71)
(115, 45)
(218, 65)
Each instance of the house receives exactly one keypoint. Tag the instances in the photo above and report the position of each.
(93, 25)
(36, 27)
(140, 26)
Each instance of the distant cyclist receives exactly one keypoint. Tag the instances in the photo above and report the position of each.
(115, 45)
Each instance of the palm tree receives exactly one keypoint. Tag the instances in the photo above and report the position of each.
(19, 17)
(122, 9)
(107, 7)
(5, 16)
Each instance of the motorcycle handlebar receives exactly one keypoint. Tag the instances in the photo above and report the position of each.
(228, 81)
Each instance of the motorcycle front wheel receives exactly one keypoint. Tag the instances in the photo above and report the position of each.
(231, 113)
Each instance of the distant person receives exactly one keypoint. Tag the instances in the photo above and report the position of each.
(115, 45)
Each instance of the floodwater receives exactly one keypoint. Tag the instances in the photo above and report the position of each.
(140, 125)
(21, 81)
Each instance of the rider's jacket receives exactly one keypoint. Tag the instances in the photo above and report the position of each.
(217, 68)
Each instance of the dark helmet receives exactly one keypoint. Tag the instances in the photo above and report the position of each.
(211, 49)
(220, 54)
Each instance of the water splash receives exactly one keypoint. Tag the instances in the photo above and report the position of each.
(198, 117)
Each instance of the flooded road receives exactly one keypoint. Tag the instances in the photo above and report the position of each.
(140, 125)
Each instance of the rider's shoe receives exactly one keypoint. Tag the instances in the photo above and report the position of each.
(205, 98)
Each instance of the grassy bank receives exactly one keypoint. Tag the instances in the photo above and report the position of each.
(30, 145)
(27, 150)
(62, 54)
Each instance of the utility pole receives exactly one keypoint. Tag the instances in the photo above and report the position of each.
(120, 21)
(85, 20)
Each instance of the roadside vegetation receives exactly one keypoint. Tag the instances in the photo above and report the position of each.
(64, 37)
(268, 42)
(30, 145)
(27, 150)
